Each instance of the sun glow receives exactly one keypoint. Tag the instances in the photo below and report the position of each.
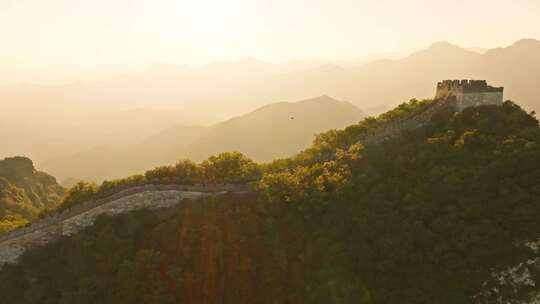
(209, 17)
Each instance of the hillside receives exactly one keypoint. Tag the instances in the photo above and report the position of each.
(24, 192)
(274, 131)
(432, 216)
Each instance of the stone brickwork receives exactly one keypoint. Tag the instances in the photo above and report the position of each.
(66, 223)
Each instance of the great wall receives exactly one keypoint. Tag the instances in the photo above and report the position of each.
(412, 121)
(455, 94)
(70, 221)
(450, 94)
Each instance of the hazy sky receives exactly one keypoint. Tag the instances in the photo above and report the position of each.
(88, 34)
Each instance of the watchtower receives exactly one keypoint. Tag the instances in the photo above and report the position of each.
(469, 93)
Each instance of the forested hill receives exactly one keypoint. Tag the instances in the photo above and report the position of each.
(24, 192)
(436, 215)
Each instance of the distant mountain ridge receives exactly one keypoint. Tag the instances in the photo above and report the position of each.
(383, 82)
(245, 84)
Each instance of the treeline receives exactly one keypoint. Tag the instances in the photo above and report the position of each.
(427, 217)
(227, 167)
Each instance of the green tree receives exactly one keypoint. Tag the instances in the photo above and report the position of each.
(230, 167)
(77, 194)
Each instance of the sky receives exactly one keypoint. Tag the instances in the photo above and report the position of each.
(81, 35)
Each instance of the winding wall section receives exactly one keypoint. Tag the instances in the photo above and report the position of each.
(68, 222)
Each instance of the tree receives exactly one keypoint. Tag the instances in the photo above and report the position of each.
(187, 172)
(230, 167)
(81, 192)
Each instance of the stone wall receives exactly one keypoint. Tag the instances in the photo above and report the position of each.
(413, 121)
(65, 214)
(151, 197)
(396, 127)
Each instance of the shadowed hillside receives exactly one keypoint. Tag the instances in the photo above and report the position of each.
(435, 215)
